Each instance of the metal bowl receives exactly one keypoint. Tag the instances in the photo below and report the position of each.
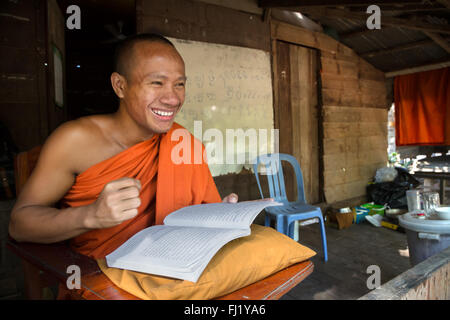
(394, 213)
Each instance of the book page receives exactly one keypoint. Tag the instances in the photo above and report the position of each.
(219, 215)
(177, 252)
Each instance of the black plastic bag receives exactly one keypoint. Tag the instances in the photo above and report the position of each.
(393, 193)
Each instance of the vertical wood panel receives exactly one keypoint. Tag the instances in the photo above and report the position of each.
(303, 63)
(296, 114)
(283, 109)
(56, 25)
(310, 143)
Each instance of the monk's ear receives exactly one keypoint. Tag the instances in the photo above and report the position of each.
(119, 84)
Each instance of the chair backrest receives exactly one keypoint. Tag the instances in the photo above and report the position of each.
(275, 177)
(24, 164)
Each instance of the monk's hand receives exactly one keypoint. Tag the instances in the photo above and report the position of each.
(231, 198)
(119, 201)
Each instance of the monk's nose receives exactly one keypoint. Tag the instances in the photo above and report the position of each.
(171, 98)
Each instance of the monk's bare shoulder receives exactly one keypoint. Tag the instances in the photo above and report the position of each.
(81, 143)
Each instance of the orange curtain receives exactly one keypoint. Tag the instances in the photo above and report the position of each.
(422, 108)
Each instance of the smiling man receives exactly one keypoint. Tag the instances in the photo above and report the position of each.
(100, 179)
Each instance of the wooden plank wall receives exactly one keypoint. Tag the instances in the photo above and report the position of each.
(198, 21)
(354, 125)
(23, 97)
(27, 105)
(354, 114)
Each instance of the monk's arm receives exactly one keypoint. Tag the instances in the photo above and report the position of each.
(43, 224)
(34, 217)
(37, 221)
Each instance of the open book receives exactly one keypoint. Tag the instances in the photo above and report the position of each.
(188, 240)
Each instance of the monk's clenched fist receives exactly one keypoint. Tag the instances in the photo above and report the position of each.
(118, 201)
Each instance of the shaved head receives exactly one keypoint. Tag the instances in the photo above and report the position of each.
(124, 55)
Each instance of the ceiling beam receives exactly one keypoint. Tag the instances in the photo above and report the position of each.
(386, 21)
(321, 3)
(421, 68)
(359, 33)
(441, 41)
(403, 47)
(266, 14)
(400, 9)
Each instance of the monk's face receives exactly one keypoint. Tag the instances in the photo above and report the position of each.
(155, 86)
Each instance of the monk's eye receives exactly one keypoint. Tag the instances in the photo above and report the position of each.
(180, 85)
(156, 83)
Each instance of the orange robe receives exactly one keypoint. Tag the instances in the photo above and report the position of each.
(165, 187)
(422, 108)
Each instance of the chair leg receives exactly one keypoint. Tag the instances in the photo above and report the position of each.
(293, 227)
(324, 238)
(290, 227)
(281, 225)
(267, 220)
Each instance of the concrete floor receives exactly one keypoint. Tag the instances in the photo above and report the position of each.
(350, 252)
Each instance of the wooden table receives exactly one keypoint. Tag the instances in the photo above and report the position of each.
(441, 176)
(54, 259)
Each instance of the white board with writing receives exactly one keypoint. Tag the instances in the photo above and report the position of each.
(228, 92)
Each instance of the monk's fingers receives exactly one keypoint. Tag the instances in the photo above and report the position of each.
(113, 199)
(231, 198)
(138, 183)
(129, 214)
(122, 183)
(128, 193)
(128, 204)
(265, 199)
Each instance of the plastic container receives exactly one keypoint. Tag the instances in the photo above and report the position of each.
(426, 237)
(374, 208)
(359, 214)
(414, 200)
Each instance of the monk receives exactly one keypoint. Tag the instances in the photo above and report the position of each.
(102, 178)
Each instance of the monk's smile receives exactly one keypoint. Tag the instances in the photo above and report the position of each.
(164, 114)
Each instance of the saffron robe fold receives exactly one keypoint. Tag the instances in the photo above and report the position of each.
(165, 187)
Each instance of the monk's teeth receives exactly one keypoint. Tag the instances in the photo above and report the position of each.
(163, 113)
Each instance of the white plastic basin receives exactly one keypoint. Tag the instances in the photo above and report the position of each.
(443, 212)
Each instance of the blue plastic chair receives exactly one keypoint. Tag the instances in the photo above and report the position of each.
(289, 212)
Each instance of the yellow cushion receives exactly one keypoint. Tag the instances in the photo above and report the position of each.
(239, 263)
